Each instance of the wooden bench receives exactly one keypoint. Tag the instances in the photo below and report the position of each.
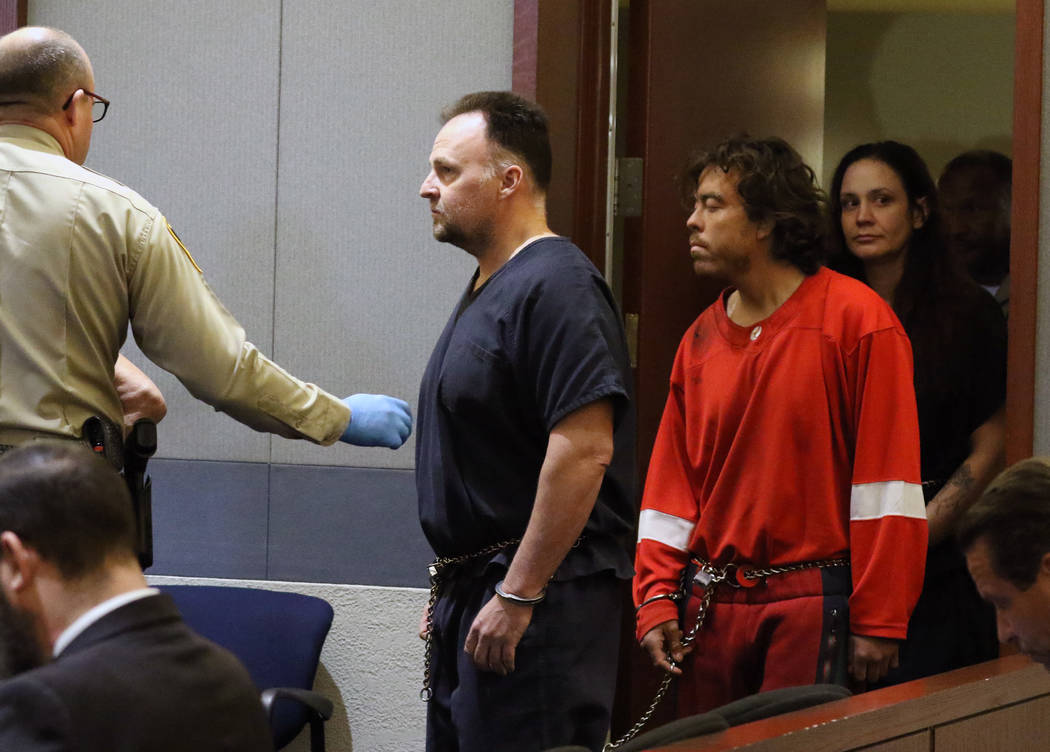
(1002, 705)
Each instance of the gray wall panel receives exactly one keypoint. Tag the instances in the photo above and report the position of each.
(193, 127)
(287, 522)
(286, 142)
(359, 290)
(210, 518)
(351, 525)
(362, 289)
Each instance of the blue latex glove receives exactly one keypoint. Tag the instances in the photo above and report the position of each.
(377, 420)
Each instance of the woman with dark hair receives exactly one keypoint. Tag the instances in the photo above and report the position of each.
(885, 230)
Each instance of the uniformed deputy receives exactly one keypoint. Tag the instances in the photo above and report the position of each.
(82, 255)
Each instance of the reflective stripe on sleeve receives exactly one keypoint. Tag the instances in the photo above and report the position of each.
(665, 528)
(872, 501)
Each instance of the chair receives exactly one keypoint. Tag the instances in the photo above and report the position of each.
(777, 701)
(675, 731)
(278, 637)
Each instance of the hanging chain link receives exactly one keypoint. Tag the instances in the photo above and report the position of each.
(436, 570)
(716, 576)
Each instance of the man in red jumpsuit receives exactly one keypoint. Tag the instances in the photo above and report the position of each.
(789, 441)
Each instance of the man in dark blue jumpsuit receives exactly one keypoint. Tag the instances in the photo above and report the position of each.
(525, 454)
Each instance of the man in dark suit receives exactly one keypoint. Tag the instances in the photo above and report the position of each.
(101, 662)
(1006, 539)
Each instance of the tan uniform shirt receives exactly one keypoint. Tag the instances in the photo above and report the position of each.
(80, 256)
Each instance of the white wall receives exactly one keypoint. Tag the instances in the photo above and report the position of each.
(940, 82)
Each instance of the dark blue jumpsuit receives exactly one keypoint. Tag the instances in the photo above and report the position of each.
(540, 339)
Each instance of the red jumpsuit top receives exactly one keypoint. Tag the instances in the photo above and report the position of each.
(795, 439)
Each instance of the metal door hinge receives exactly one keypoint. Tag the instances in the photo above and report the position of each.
(630, 326)
(628, 196)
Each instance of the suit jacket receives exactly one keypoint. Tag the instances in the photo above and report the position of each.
(137, 680)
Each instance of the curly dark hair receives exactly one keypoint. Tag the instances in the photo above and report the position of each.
(774, 183)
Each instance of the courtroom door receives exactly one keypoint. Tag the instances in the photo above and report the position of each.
(697, 71)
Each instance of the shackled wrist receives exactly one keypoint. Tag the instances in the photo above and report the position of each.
(520, 600)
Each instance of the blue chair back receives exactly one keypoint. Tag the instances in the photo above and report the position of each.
(277, 636)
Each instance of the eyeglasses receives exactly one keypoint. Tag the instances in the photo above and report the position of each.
(99, 105)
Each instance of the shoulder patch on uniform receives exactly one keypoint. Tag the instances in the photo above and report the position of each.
(183, 247)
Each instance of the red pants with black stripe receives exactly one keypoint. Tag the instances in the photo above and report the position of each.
(787, 630)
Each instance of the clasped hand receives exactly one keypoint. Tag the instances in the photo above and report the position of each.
(377, 420)
(664, 644)
(871, 658)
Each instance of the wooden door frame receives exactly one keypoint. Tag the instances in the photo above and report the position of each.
(12, 14)
(1024, 223)
(533, 39)
(541, 54)
(568, 74)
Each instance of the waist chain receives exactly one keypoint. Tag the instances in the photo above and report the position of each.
(437, 570)
(731, 574)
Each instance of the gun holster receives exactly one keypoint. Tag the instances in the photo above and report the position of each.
(130, 456)
(139, 446)
(105, 439)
